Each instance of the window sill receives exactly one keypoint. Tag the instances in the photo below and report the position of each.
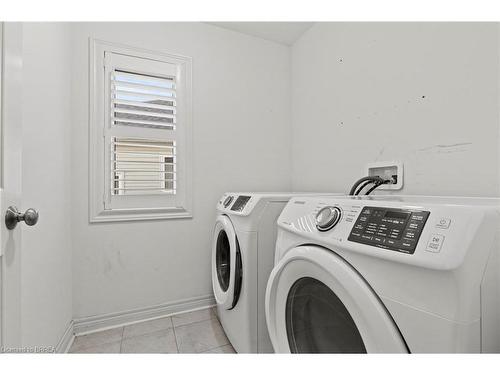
(118, 215)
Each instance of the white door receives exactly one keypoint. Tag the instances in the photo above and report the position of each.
(317, 303)
(10, 195)
(226, 264)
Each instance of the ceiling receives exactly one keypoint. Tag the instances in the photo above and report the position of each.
(280, 32)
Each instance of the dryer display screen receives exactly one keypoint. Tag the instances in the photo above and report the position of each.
(240, 203)
(389, 228)
(397, 215)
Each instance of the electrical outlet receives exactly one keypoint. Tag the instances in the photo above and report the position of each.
(388, 170)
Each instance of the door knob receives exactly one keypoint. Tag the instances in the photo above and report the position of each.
(13, 216)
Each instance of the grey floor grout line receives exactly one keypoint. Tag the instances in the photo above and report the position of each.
(175, 337)
(121, 341)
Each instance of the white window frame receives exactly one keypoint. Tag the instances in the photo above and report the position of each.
(151, 207)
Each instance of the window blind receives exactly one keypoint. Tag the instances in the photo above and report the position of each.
(143, 100)
(143, 166)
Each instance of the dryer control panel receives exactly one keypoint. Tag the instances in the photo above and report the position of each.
(240, 203)
(389, 228)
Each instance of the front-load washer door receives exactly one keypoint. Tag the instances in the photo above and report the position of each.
(226, 264)
(318, 303)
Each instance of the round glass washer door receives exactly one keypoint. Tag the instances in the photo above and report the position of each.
(318, 303)
(224, 262)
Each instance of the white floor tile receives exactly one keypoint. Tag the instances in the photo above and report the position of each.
(226, 349)
(98, 338)
(193, 317)
(147, 327)
(156, 342)
(112, 347)
(200, 337)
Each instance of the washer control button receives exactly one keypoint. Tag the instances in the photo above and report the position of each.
(228, 201)
(435, 243)
(443, 223)
(327, 218)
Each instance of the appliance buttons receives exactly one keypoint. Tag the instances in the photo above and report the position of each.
(435, 243)
(443, 223)
(413, 225)
(410, 234)
(407, 244)
(228, 201)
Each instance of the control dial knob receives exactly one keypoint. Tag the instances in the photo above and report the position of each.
(327, 218)
(228, 201)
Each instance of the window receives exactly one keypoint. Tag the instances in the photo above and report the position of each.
(140, 134)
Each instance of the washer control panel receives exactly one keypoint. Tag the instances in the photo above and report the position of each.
(389, 228)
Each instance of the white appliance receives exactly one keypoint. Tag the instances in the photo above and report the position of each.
(242, 257)
(386, 274)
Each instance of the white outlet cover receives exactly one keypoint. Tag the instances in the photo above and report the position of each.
(388, 164)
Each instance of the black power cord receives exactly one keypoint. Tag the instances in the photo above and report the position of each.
(359, 185)
(369, 179)
(363, 185)
(377, 184)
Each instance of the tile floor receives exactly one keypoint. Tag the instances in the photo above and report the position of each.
(192, 332)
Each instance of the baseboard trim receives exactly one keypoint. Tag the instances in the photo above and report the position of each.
(66, 340)
(97, 323)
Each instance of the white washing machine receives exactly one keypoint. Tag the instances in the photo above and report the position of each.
(386, 274)
(242, 257)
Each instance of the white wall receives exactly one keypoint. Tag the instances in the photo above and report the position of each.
(46, 247)
(241, 116)
(425, 94)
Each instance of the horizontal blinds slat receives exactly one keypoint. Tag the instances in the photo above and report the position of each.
(129, 180)
(140, 96)
(144, 113)
(134, 154)
(144, 189)
(143, 144)
(136, 170)
(121, 75)
(143, 98)
(142, 122)
(141, 162)
(143, 89)
(144, 105)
